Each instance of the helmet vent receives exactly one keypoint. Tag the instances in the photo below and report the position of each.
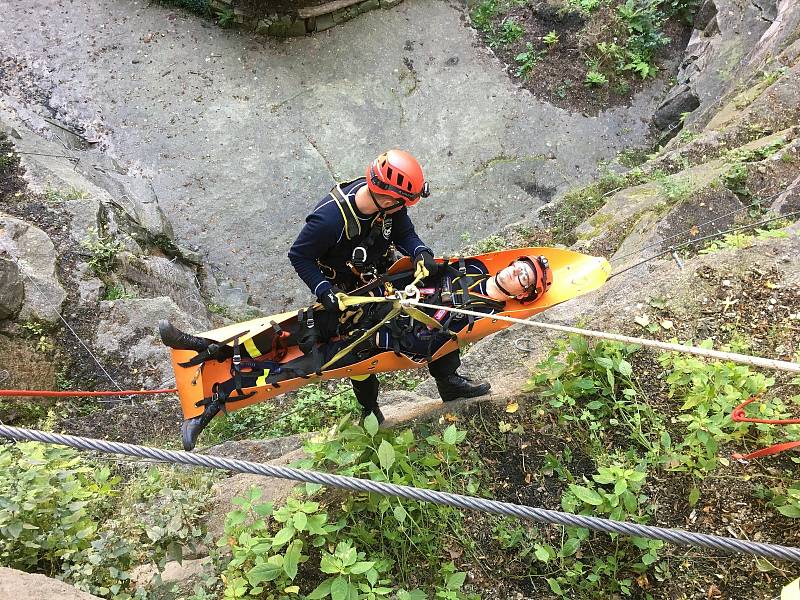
(389, 173)
(400, 179)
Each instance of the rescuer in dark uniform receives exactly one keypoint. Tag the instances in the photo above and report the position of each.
(350, 238)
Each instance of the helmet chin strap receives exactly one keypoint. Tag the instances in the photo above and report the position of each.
(380, 208)
(502, 289)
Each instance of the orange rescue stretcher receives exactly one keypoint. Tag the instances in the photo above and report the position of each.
(574, 274)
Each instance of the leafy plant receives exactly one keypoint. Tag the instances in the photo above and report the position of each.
(56, 195)
(551, 38)
(116, 292)
(595, 79)
(262, 560)
(508, 33)
(771, 77)
(46, 497)
(352, 576)
(483, 14)
(592, 388)
(585, 5)
(225, 17)
(710, 392)
(103, 249)
(409, 530)
(527, 60)
(493, 243)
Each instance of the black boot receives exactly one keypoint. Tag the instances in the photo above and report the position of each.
(191, 428)
(455, 386)
(367, 395)
(175, 338)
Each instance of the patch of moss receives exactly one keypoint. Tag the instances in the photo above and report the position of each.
(564, 216)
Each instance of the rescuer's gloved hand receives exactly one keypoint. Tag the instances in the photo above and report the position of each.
(425, 265)
(330, 300)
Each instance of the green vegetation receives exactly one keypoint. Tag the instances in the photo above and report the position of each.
(620, 39)
(508, 33)
(564, 216)
(200, 7)
(550, 39)
(38, 332)
(56, 195)
(272, 548)
(65, 517)
(527, 60)
(595, 78)
(594, 395)
(741, 240)
(103, 251)
(314, 407)
(771, 77)
(116, 292)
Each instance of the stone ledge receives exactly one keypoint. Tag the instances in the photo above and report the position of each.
(307, 20)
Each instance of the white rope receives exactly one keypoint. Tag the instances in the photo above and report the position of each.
(754, 361)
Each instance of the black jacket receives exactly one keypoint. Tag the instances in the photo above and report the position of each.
(323, 240)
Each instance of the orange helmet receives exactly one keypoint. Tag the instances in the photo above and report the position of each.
(543, 277)
(397, 174)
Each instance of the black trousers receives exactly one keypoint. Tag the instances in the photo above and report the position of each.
(366, 390)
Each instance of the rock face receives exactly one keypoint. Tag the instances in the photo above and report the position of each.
(36, 257)
(12, 290)
(731, 42)
(16, 585)
(129, 328)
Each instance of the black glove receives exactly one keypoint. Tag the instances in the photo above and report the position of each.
(329, 300)
(425, 265)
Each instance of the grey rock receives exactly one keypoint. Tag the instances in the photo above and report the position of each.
(85, 216)
(705, 14)
(129, 328)
(233, 295)
(682, 99)
(161, 276)
(36, 257)
(789, 200)
(183, 575)
(17, 584)
(258, 450)
(12, 290)
(90, 290)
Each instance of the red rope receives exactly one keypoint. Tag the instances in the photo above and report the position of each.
(72, 393)
(739, 415)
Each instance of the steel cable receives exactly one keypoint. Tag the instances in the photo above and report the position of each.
(541, 515)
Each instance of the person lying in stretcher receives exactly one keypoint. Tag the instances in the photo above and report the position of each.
(322, 335)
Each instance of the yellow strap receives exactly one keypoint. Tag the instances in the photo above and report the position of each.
(346, 301)
(360, 377)
(251, 348)
(263, 379)
(422, 317)
(347, 349)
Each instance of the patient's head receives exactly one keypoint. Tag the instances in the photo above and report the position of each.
(525, 279)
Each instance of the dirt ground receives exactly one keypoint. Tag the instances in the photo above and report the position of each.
(559, 75)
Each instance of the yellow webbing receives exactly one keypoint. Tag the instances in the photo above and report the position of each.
(263, 379)
(251, 348)
(347, 349)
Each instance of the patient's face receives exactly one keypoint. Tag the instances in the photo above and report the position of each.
(516, 278)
